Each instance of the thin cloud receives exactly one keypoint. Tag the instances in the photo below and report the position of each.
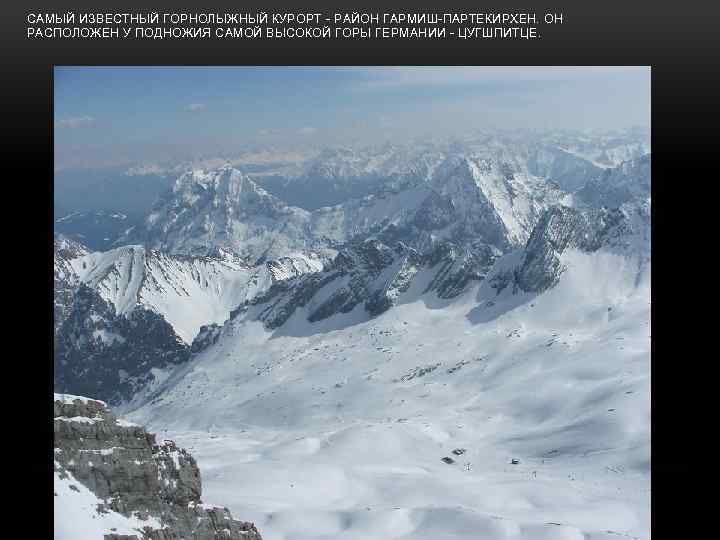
(195, 107)
(387, 77)
(74, 122)
(307, 130)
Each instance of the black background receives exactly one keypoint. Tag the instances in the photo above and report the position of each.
(679, 42)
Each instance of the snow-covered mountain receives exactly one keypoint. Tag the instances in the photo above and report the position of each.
(624, 231)
(515, 403)
(458, 347)
(369, 274)
(464, 199)
(123, 316)
(188, 292)
(65, 279)
(604, 149)
(466, 214)
(467, 200)
(101, 353)
(222, 208)
(335, 175)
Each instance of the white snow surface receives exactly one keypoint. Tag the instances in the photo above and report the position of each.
(188, 292)
(76, 516)
(69, 399)
(336, 429)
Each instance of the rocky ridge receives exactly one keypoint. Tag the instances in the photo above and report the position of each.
(124, 318)
(623, 230)
(138, 313)
(371, 274)
(100, 352)
(155, 485)
(462, 199)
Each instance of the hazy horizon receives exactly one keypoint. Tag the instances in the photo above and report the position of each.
(107, 116)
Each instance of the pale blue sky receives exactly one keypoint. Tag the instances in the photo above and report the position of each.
(114, 115)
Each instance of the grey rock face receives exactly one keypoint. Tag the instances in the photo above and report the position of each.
(455, 267)
(110, 333)
(133, 474)
(357, 267)
(207, 336)
(222, 208)
(558, 229)
(65, 281)
(373, 275)
(461, 197)
(622, 229)
(101, 353)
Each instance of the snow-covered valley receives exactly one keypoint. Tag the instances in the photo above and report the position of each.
(338, 428)
(458, 348)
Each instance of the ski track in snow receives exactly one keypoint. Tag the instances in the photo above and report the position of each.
(337, 429)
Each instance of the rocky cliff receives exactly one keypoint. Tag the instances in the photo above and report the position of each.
(115, 481)
(371, 274)
(624, 230)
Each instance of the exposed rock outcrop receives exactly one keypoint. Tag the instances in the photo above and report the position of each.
(134, 475)
(622, 230)
(102, 353)
(125, 318)
(374, 275)
(65, 279)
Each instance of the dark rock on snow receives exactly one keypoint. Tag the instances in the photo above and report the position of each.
(133, 473)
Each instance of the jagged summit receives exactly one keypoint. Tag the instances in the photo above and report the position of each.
(222, 208)
(624, 231)
(492, 190)
(372, 276)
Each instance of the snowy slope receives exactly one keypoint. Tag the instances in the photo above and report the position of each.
(467, 200)
(222, 208)
(462, 199)
(126, 318)
(490, 306)
(76, 514)
(342, 422)
(113, 479)
(188, 292)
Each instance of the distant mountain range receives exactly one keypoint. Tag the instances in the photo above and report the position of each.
(387, 324)
(216, 244)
